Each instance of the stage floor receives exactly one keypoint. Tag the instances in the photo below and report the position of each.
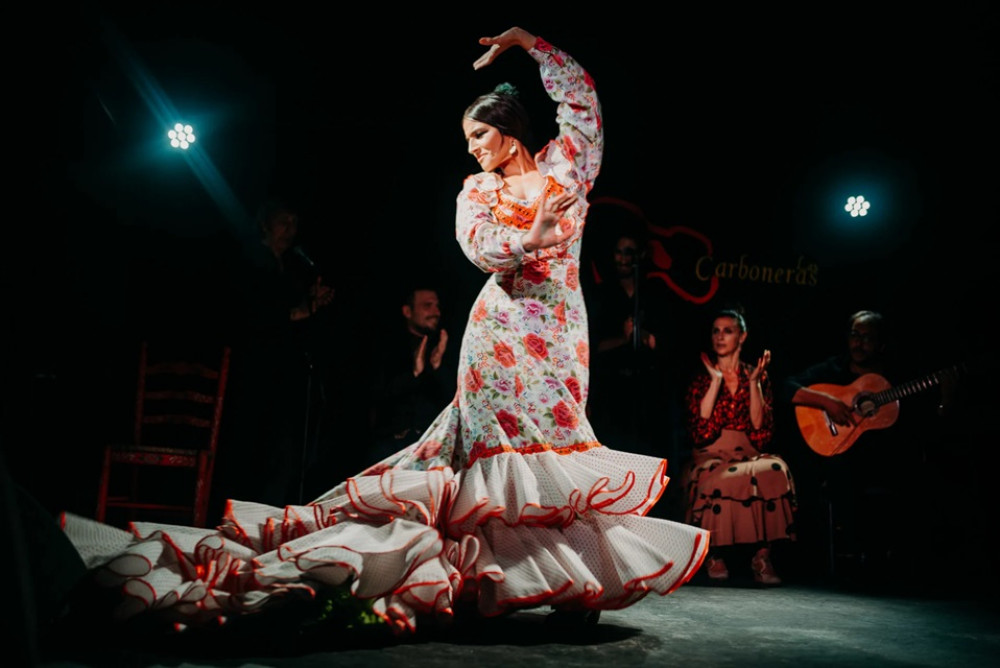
(738, 624)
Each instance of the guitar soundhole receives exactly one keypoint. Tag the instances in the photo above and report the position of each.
(864, 405)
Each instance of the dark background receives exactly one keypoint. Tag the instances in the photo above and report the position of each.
(749, 127)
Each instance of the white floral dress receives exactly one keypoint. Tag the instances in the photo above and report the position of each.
(508, 500)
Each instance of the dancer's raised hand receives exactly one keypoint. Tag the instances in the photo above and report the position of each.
(511, 37)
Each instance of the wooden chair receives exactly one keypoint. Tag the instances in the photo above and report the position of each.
(178, 410)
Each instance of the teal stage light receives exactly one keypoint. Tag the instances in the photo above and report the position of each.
(181, 136)
(857, 205)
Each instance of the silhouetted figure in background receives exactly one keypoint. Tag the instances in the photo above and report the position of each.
(627, 402)
(275, 388)
(416, 376)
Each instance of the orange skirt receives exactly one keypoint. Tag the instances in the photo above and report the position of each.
(738, 493)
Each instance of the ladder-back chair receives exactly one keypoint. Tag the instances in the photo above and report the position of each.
(178, 411)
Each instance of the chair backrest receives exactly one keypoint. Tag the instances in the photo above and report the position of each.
(180, 396)
(178, 412)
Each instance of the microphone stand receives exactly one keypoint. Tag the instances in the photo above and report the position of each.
(636, 353)
(307, 341)
(636, 312)
(305, 423)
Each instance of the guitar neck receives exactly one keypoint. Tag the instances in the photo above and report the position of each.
(912, 387)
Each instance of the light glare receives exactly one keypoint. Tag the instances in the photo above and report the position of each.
(857, 206)
(181, 136)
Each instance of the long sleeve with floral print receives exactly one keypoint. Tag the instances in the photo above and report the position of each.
(571, 162)
(729, 412)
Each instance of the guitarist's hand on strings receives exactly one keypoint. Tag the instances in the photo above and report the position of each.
(840, 412)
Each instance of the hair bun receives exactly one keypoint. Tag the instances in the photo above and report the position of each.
(506, 88)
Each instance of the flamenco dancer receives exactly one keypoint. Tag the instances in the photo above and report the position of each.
(508, 501)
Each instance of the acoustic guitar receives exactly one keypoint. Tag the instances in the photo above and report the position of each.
(873, 400)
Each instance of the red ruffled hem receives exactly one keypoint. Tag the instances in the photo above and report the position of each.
(511, 531)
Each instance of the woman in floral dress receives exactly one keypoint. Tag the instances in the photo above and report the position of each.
(508, 501)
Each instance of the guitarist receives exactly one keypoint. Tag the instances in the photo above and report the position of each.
(852, 504)
(866, 353)
(839, 521)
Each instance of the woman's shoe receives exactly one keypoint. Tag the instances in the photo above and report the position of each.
(717, 569)
(763, 569)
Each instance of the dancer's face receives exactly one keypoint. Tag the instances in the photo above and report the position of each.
(727, 337)
(486, 144)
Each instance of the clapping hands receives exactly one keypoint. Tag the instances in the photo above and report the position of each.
(319, 295)
(436, 356)
(759, 371)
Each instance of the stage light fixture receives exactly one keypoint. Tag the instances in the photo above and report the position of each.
(857, 206)
(181, 136)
